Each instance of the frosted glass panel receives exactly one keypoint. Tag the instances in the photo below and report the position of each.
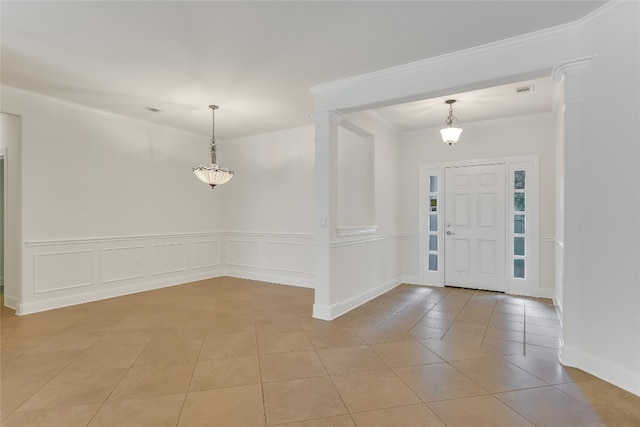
(433, 222)
(433, 184)
(518, 224)
(518, 202)
(518, 268)
(433, 262)
(519, 178)
(518, 246)
(433, 242)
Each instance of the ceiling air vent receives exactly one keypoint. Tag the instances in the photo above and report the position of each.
(152, 109)
(524, 89)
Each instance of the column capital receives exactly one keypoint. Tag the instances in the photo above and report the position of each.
(577, 66)
(332, 116)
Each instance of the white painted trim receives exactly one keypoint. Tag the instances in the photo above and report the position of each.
(36, 257)
(356, 230)
(334, 311)
(437, 168)
(11, 302)
(624, 378)
(177, 270)
(362, 241)
(66, 301)
(412, 280)
(544, 293)
(162, 236)
(270, 278)
(512, 43)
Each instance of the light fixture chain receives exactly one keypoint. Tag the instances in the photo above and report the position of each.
(213, 135)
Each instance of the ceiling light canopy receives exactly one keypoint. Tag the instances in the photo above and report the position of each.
(214, 174)
(450, 134)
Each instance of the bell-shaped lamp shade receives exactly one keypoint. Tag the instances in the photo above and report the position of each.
(450, 135)
(213, 175)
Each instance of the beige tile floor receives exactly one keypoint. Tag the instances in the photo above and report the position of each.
(232, 352)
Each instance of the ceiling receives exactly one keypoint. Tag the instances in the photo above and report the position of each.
(257, 59)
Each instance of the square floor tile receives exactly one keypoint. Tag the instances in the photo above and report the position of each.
(157, 411)
(551, 371)
(548, 406)
(144, 381)
(343, 360)
(67, 416)
(169, 353)
(496, 375)
(233, 406)
(303, 399)
(227, 346)
(121, 356)
(480, 411)
(405, 353)
(413, 415)
(439, 381)
(366, 391)
(75, 388)
(332, 338)
(616, 407)
(291, 365)
(283, 342)
(455, 350)
(218, 373)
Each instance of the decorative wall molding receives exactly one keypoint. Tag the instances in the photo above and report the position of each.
(115, 266)
(356, 230)
(366, 240)
(57, 271)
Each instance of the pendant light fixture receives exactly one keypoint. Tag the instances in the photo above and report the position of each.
(214, 174)
(450, 134)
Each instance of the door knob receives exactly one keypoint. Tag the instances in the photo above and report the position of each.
(449, 233)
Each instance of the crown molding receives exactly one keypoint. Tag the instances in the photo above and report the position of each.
(517, 42)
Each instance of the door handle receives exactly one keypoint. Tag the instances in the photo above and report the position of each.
(450, 233)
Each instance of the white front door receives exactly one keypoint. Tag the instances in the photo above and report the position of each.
(474, 227)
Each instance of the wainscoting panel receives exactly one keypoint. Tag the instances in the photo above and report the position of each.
(122, 263)
(62, 270)
(244, 253)
(206, 254)
(169, 258)
(59, 273)
(285, 256)
(288, 259)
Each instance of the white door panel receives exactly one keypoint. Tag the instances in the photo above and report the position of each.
(475, 227)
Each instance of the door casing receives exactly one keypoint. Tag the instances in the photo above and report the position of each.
(517, 286)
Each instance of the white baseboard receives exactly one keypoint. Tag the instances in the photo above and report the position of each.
(545, 293)
(620, 377)
(325, 312)
(412, 280)
(271, 278)
(11, 302)
(53, 303)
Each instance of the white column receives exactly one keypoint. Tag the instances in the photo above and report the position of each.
(326, 164)
(570, 74)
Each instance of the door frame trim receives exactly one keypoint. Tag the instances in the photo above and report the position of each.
(527, 286)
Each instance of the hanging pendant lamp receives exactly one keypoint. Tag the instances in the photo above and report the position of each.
(214, 174)
(450, 134)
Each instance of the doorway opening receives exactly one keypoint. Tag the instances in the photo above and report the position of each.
(479, 224)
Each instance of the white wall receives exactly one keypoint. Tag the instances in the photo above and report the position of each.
(365, 266)
(602, 229)
(10, 127)
(109, 204)
(356, 183)
(527, 135)
(268, 207)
